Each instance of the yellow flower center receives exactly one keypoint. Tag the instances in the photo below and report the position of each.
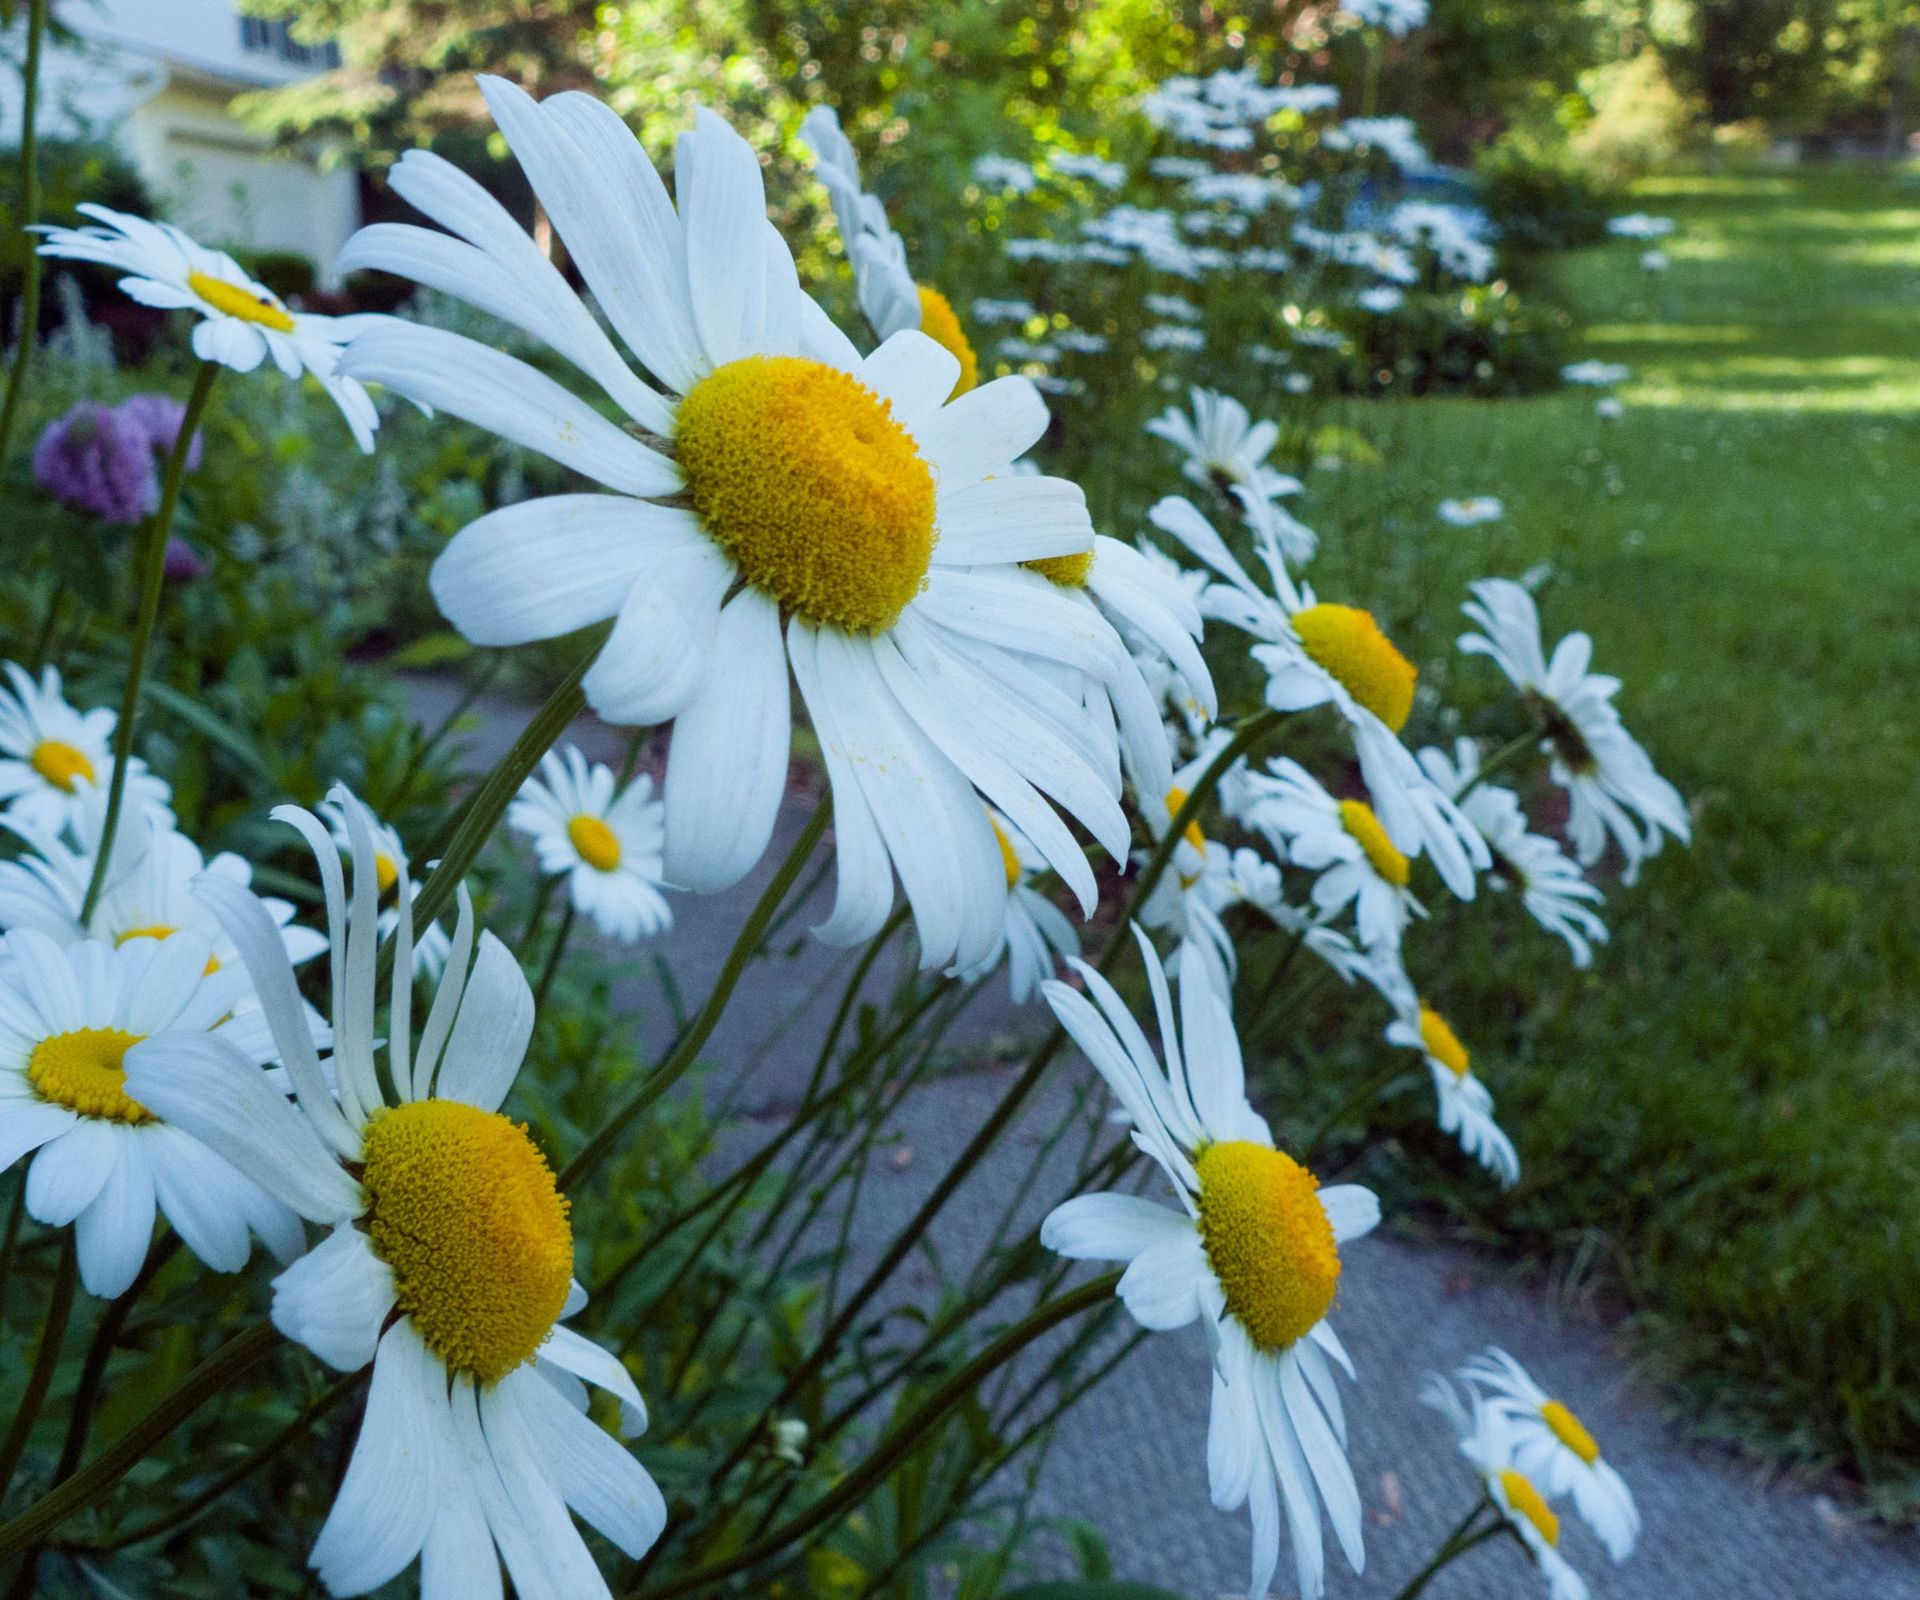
(939, 324)
(1070, 572)
(465, 1211)
(61, 764)
(162, 930)
(1382, 854)
(231, 300)
(1442, 1043)
(1176, 798)
(1349, 645)
(1526, 1501)
(386, 871)
(1008, 858)
(1570, 1431)
(595, 842)
(801, 473)
(1268, 1240)
(82, 1071)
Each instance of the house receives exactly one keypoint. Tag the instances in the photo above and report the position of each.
(156, 78)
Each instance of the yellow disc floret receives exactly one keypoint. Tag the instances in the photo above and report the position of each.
(1382, 854)
(595, 841)
(1442, 1043)
(1570, 1431)
(801, 473)
(939, 324)
(1268, 1240)
(1070, 571)
(1009, 858)
(386, 871)
(83, 1071)
(465, 1211)
(1526, 1501)
(61, 764)
(1176, 798)
(1348, 644)
(234, 301)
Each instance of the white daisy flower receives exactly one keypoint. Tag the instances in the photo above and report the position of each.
(1609, 408)
(1253, 1253)
(1382, 299)
(1610, 780)
(1596, 374)
(1553, 1447)
(103, 1158)
(391, 864)
(1037, 935)
(242, 323)
(1198, 884)
(1003, 172)
(1395, 17)
(795, 506)
(1466, 1104)
(1487, 1440)
(1472, 511)
(449, 1264)
(1335, 655)
(1224, 447)
(1655, 261)
(1639, 225)
(607, 844)
(1551, 887)
(51, 754)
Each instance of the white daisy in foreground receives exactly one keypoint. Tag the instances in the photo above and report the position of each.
(1487, 1440)
(795, 506)
(607, 843)
(1610, 780)
(104, 1159)
(1465, 1103)
(1037, 935)
(390, 865)
(1472, 512)
(242, 323)
(1317, 654)
(1224, 447)
(450, 1263)
(1254, 1253)
(1552, 888)
(50, 754)
(1553, 1447)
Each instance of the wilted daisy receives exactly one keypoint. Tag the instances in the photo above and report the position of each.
(242, 323)
(1487, 1439)
(1037, 935)
(104, 1159)
(50, 754)
(1254, 1253)
(449, 1264)
(606, 842)
(1553, 1447)
(1473, 511)
(1610, 781)
(1465, 1103)
(1335, 655)
(795, 506)
(1224, 447)
(391, 865)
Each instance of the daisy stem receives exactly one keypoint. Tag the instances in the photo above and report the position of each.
(1456, 1544)
(560, 936)
(15, 1214)
(152, 568)
(669, 1072)
(542, 898)
(67, 1500)
(29, 214)
(53, 1333)
(106, 1333)
(49, 620)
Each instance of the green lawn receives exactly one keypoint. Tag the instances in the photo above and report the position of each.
(1722, 1121)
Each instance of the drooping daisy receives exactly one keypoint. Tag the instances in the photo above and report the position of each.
(1224, 447)
(242, 323)
(1465, 1103)
(391, 864)
(1254, 1252)
(1610, 780)
(607, 844)
(1037, 936)
(1553, 1447)
(103, 1158)
(449, 1264)
(1552, 888)
(1471, 512)
(50, 754)
(1320, 654)
(795, 506)
(1487, 1440)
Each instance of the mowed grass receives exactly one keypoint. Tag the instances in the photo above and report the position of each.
(1722, 1121)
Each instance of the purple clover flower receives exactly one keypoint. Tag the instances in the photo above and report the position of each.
(159, 416)
(97, 461)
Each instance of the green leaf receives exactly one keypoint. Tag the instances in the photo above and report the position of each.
(199, 718)
(436, 649)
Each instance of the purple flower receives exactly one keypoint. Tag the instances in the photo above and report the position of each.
(183, 561)
(98, 461)
(159, 416)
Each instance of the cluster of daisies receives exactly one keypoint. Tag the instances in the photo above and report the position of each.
(769, 503)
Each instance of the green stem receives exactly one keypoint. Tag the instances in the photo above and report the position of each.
(68, 1499)
(1505, 756)
(559, 949)
(480, 682)
(106, 1334)
(49, 620)
(29, 214)
(1458, 1543)
(53, 1332)
(669, 1072)
(15, 1214)
(537, 913)
(152, 568)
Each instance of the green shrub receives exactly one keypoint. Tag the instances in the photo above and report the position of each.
(1541, 194)
(70, 171)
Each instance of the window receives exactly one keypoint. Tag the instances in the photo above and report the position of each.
(271, 37)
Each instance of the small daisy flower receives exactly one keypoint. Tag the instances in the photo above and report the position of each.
(1472, 512)
(1466, 1104)
(787, 507)
(103, 1159)
(1553, 1447)
(1199, 881)
(242, 323)
(51, 755)
(1253, 1253)
(1038, 935)
(1224, 447)
(1488, 1441)
(450, 1262)
(1596, 374)
(1321, 654)
(607, 844)
(1609, 408)
(1638, 225)
(1654, 261)
(390, 862)
(1610, 780)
